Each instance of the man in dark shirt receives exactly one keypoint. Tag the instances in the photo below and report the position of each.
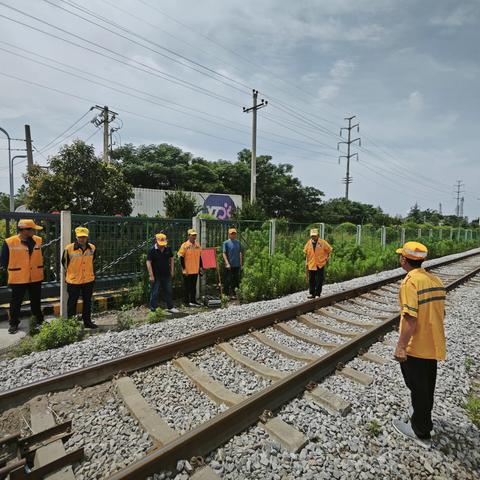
(160, 268)
(233, 258)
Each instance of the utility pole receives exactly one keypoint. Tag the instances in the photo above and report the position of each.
(104, 118)
(28, 141)
(253, 166)
(462, 200)
(459, 186)
(348, 178)
(440, 208)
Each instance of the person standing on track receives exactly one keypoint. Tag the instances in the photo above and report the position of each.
(317, 252)
(233, 258)
(190, 255)
(160, 270)
(22, 257)
(78, 260)
(422, 340)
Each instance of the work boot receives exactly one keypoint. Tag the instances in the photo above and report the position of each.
(90, 325)
(13, 329)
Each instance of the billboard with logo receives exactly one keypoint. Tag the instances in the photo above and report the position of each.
(150, 202)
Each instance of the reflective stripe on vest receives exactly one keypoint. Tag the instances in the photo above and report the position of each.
(23, 267)
(80, 265)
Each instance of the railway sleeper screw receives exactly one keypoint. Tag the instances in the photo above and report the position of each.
(266, 416)
(196, 462)
(362, 351)
(251, 329)
(340, 366)
(311, 386)
(218, 340)
(178, 355)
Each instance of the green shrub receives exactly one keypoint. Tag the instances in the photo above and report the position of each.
(59, 332)
(157, 316)
(125, 319)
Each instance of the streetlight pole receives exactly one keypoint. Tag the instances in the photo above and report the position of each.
(10, 170)
(11, 177)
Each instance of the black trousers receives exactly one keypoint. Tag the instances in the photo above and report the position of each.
(74, 292)
(35, 296)
(190, 293)
(420, 375)
(315, 281)
(232, 280)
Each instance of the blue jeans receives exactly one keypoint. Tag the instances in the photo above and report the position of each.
(165, 283)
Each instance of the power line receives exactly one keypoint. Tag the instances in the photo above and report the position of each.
(126, 62)
(64, 132)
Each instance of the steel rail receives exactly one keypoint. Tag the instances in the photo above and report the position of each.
(103, 371)
(206, 437)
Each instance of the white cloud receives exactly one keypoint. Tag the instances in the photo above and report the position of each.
(458, 17)
(415, 101)
(342, 69)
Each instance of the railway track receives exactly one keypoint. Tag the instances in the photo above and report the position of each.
(246, 370)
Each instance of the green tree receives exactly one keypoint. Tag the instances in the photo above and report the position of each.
(78, 181)
(250, 211)
(180, 204)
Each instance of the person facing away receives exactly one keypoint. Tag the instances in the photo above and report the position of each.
(421, 342)
(160, 268)
(22, 258)
(190, 255)
(78, 260)
(317, 252)
(233, 258)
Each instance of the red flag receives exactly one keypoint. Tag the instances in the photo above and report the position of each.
(209, 258)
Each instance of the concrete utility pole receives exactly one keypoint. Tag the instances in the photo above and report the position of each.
(104, 118)
(28, 141)
(459, 190)
(253, 167)
(348, 178)
(10, 168)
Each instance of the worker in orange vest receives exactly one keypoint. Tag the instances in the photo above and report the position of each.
(190, 254)
(22, 257)
(78, 260)
(317, 251)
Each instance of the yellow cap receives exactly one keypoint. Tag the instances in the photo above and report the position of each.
(28, 223)
(161, 239)
(192, 231)
(232, 230)
(314, 231)
(81, 232)
(413, 251)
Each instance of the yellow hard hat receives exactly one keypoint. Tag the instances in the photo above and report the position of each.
(232, 230)
(314, 231)
(28, 223)
(81, 232)
(192, 231)
(161, 239)
(413, 251)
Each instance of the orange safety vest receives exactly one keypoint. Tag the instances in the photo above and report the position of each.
(318, 258)
(23, 267)
(191, 253)
(79, 264)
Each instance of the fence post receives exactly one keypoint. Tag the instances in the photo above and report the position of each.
(272, 236)
(402, 236)
(451, 233)
(419, 233)
(201, 230)
(440, 233)
(65, 239)
(466, 234)
(384, 236)
(458, 234)
(322, 231)
(358, 237)
(430, 233)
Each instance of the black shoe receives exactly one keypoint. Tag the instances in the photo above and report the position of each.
(310, 296)
(90, 325)
(13, 329)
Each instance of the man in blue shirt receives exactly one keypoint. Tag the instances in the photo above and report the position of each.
(233, 258)
(160, 271)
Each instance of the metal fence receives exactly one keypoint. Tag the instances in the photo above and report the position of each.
(123, 241)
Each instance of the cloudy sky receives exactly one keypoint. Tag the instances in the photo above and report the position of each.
(181, 71)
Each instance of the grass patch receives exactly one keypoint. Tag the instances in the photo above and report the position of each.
(58, 333)
(472, 407)
(468, 364)
(374, 428)
(157, 316)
